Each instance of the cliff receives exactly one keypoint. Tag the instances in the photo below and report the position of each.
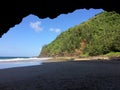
(97, 36)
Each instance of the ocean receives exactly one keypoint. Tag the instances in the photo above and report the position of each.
(12, 58)
(12, 62)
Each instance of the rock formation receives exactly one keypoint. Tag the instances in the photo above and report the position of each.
(13, 11)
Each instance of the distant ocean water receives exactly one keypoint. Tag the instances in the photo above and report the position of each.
(11, 62)
(14, 58)
(11, 58)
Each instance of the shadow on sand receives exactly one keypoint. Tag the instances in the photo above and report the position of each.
(64, 75)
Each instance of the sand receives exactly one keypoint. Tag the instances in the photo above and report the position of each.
(63, 75)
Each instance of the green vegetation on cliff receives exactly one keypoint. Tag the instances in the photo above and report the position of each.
(97, 36)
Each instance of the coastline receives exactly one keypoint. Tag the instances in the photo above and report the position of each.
(63, 75)
(21, 62)
(55, 59)
(39, 61)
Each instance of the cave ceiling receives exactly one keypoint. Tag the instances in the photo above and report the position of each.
(13, 11)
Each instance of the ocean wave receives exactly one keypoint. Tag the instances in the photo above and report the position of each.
(23, 59)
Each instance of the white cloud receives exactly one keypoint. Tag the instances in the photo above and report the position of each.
(57, 30)
(36, 26)
(51, 29)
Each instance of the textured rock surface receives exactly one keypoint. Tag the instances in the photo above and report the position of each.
(12, 12)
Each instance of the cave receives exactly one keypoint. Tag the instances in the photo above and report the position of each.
(12, 12)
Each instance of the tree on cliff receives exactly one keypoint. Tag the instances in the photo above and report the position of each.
(97, 36)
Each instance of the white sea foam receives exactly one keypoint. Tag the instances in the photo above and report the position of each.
(5, 65)
(21, 62)
(23, 59)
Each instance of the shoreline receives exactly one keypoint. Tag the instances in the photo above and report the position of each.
(62, 58)
(4, 64)
(14, 63)
(24, 59)
(63, 75)
(85, 58)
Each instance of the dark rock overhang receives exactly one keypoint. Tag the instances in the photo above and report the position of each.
(12, 12)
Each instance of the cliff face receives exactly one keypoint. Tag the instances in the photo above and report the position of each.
(99, 35)
(12, 12)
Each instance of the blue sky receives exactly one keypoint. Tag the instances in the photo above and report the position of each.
(28, 37)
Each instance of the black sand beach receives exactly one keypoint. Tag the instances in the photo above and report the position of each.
(64, 75)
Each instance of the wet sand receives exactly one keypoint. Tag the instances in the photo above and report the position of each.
(63, 75)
